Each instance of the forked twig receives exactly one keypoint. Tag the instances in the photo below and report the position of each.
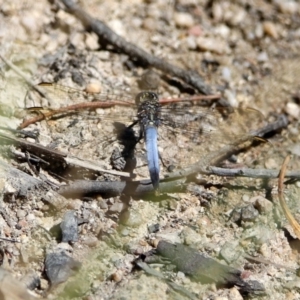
(286, 210)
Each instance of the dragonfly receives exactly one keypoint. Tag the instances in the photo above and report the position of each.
(183, 131)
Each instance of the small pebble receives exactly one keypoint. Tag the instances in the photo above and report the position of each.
(75, 204)
(124, 232)
(102, 204)
(262, 204)
(117, 26)
(271, 164)
(103, 55)
(153, 228)
(249, 213)
(295, 149)
(116, 208)
(45, 207)
(234, 294)
(226, 74)
(245, 198)
(93, 88)
(22, 224)
(293, 109)
(117, 276)
(196, 30)
(44, 284)
(265, 250)
(262, 57)
(217, 11)
(223, 31)
(259, 31)
(231, 98)
(184, 20)
(30, 217)
(21, 213)
(212, 44)
(69, 227)
(180, 275)
(270, 29)
(150, 24)
(29, 23)
(288, 7)
(91, 41)
(191, 42)
(90, 242)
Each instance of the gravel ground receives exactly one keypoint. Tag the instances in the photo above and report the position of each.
(248, 51)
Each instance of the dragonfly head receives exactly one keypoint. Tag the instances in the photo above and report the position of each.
(146, 96)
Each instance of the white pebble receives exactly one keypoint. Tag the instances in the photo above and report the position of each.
(293, 109)
(288, 7)
(21, 213)
(118, 27)
(226, 74)
(191, 42)
(295, 149)
(213, 45)
(217, 11)
(231, 98)
(184, 20)
(29, 23)
(271, 164)
(93, 87)
(30, 217)
(91, 41)
(262, 57)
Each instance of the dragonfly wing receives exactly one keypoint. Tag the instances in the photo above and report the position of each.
(196, 132)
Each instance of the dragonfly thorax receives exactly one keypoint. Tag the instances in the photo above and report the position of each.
(148, 108)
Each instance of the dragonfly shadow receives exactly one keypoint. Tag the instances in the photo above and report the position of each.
(125, 160)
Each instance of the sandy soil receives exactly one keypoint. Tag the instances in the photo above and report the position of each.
(248, 51)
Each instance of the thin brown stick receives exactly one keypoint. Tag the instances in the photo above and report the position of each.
(286, 210)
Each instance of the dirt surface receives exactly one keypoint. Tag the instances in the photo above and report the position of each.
(246, 51)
